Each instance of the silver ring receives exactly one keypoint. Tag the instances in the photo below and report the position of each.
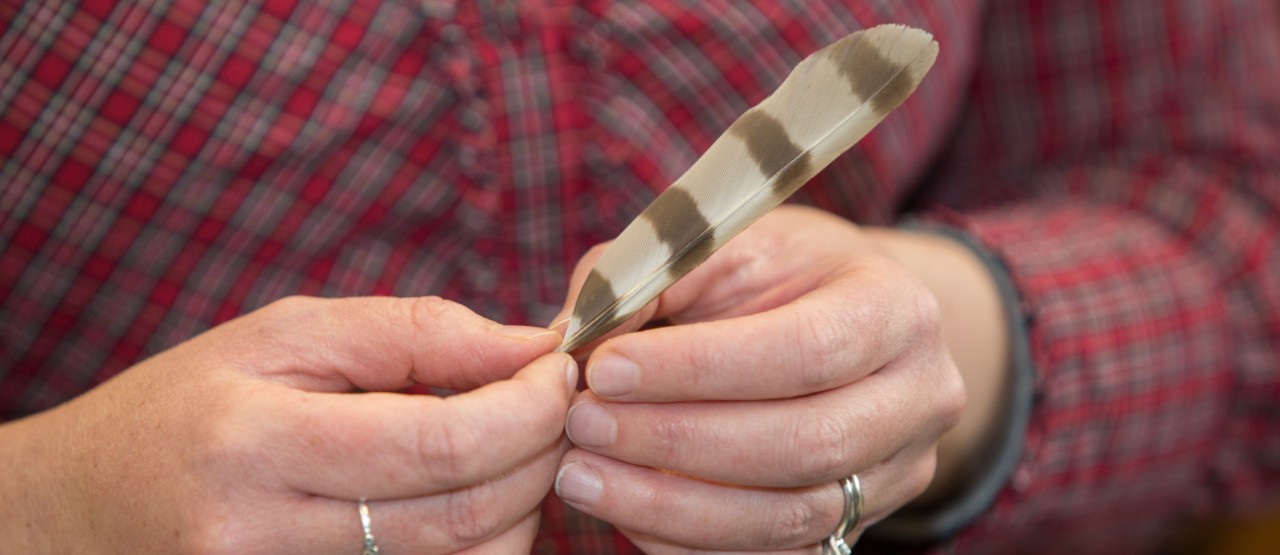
(835, 544)
(370, 545)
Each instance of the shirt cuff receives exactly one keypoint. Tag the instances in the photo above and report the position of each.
(917, 526)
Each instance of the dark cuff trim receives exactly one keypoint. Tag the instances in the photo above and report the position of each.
(934, 524)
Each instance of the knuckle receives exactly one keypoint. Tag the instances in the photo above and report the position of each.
(213, 531)
(224, 441)
(821, 449)
(924, 313)
(795, 521)
(426, 314)
(447, 449)
(430, 318)
(671, 436)
(820, 340)
(269, 321)
(272, 323)
(202, 539)
(291, 306)
(472, 515)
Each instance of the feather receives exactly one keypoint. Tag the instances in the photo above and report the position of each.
(829, 101)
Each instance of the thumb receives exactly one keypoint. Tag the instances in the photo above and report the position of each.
(377, 344)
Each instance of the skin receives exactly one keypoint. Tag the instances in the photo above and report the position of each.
(974, 326)
(809, 349)
(806, 350)
(240, 441)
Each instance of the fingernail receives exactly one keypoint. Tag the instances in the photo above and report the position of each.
(571, 374)
(613, 375)
(591, 425)
(524, 332)
(579, 484)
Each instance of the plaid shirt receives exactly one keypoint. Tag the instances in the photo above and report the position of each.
(168, 165)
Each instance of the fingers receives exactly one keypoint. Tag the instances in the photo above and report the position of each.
(376, 344)
(665, 512)
(498, 516)
(653, 545)
(785, 443)
(796, 362)
(827, 338)
(383, 445)
(784, 255)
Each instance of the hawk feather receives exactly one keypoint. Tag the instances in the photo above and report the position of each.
(829, 102)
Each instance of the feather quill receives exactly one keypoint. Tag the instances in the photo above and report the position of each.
(828, 103)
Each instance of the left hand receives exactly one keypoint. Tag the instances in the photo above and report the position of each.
(799, 354)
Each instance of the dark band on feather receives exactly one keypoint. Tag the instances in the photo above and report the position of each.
(682, 227)
(871, 76)
(773, 150)
(596, 298)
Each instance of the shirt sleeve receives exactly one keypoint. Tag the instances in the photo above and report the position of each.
(1122, 168)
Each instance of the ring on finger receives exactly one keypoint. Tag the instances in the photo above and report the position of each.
(853, 504)
(370, 544)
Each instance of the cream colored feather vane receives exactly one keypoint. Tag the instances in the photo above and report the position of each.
(829, 102)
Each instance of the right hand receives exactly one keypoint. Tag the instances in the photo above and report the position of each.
(248, 439)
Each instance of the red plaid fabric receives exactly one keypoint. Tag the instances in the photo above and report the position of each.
(168, 165)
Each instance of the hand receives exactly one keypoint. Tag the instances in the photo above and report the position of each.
(799, 354)
(248, 439)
